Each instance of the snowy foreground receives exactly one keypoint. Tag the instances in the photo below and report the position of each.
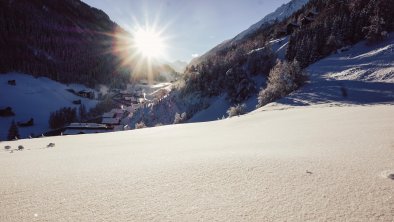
(316, 163)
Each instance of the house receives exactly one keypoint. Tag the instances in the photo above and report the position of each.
(131, 99)
(108, 115)
(28, 123)
(12, 82)
(113, 117)
(86, 128)
(77, 102)
(7, 112)
(86, 93)
(111, 121)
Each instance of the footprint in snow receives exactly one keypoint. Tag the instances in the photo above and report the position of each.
(389, 174)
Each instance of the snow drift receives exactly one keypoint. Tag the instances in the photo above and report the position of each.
(313, 163)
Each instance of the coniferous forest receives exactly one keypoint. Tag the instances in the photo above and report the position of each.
(67, 41)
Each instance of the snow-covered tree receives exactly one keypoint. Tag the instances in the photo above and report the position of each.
(179, 118)
(284, 78)
(375, 32)
(236, 110)
(140, 125)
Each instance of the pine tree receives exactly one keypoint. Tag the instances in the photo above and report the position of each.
(82, 112)
(13, 131)
(375, 31)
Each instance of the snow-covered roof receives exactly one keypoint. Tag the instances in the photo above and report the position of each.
(108, 115)
(86, 125)
(119, 128)
(116, 111)
(110, 121)
(85, 131)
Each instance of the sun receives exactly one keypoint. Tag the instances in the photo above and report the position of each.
(142, 49)
(149, 43)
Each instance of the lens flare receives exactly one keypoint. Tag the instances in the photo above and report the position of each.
(149, 43)
(142, 49)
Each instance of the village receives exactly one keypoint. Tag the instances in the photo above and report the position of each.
(131, 99)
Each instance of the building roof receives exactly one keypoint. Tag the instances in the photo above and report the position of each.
(110, 121)
(108, 115)
(86, 125)
(85, 131)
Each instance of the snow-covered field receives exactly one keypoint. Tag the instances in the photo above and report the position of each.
(35, 98)
(313, 163)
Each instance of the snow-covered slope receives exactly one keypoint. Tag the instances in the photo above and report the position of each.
(279, 14)
(364, 74)
(305, 164)
(34, 98)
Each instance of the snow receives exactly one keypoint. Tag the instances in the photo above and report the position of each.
(279, 14)
(278, 46)
(365, 72)
(306, 164)
(35, 98)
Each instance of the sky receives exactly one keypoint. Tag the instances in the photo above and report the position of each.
(190, 27)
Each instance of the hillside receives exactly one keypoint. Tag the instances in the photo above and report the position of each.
(363, 71)
(67, 41)
(315, 163)
(362, 74)
(35, 98)
(280, 14)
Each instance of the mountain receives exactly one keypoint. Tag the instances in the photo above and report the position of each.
(281, 13)
(178, 66)
(67, 41)
(236, 72)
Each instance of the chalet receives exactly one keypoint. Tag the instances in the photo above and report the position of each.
(111, 121)
(108, 115)
(12, 82)
(77, 102)
(131, 99)
(114, 117)
(7, 112)
(86, 94)
(28, 123)
(86, 128)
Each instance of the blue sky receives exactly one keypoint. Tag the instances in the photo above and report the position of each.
(190, 27)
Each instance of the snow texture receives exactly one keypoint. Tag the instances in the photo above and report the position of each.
(35, 98)
(306, 164)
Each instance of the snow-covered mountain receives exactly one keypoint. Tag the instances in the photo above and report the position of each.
(279, 14)
(178, 65)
